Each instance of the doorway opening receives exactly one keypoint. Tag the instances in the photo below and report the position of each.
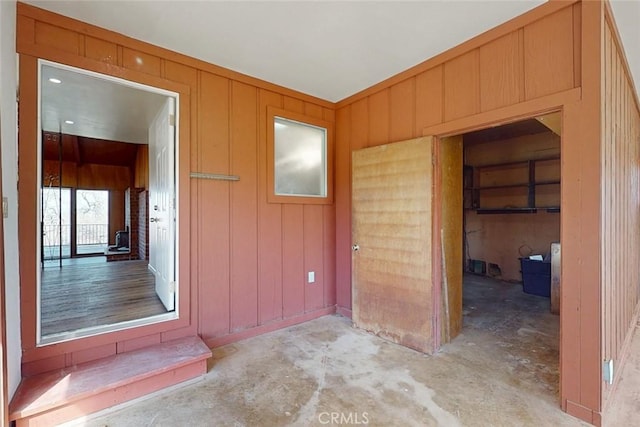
(107, 153)
(500, 225)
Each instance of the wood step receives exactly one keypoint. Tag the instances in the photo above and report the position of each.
(58, 396)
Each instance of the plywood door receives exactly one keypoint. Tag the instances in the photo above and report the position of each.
(391, 202)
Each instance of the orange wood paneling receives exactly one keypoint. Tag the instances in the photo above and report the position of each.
(269, 224)
(213, 258)
(329, 255)
(213, 206)
(560, 34)
(293, 104)
(343, 207)
(577, 45)
(359, 135)
(101, 50)
(116, 214)
(548, 59)
(140, 61)
(620, 183)
(244, 223)
(462, 86)
(213, 123)
(378, 118)
(141, 174)
(402, 111)
(57, 38)
(313, 110)
(429, 103)
(313, 225)
(293, 283)
(501, 72)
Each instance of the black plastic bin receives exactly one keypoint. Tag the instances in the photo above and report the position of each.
(536, 277)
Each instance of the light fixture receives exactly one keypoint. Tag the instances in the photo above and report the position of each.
(69, 122)
(54, 80)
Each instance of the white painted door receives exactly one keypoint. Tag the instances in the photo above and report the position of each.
(162, 210)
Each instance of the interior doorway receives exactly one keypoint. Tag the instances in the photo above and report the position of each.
(107, 204)
(500, 230)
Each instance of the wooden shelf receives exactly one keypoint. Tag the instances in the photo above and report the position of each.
(472, 192)
(493, 211)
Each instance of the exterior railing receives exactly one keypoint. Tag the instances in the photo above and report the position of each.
(54, 236)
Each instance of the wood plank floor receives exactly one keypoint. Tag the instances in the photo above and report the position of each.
(84, 295)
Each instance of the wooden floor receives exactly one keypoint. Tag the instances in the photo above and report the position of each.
(84, 295)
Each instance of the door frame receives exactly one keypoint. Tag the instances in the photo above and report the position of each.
(560, 102)
(27, 192)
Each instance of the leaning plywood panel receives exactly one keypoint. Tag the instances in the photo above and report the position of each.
(391, 201)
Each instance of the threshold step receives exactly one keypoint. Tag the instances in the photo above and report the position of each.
(58, 396)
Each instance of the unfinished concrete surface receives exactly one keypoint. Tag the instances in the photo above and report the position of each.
(501, 371)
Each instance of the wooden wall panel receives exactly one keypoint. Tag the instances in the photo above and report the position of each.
(92, 176)
(548, 60)
(620, 184)
(57, 38)
(141, 170)
(402, 111)
(314, 256)
(462, 86)
(343, 207)
(378, 118)
(140, 61)
(269, 225)
(237, 255)
(116, 214)
(244, 232)
(292, 260)
(214, 124)
(359, 126)
(329, 255)
(501, 72)
(214, 258)
(429, 103)
(101, 50)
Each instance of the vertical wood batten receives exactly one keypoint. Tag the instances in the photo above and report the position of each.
(243, 207)
(269, 224)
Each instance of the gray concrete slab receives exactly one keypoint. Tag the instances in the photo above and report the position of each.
(501, 371)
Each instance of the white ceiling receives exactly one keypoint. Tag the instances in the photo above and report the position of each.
(329, 49)
(98, 108)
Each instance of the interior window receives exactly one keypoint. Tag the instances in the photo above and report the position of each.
(300, 157)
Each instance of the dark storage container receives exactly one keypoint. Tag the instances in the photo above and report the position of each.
(536, 277)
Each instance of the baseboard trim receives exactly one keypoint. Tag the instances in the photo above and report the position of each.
(583, 413)
(269, 327)
(346, 312)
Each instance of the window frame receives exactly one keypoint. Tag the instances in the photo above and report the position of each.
(272, 197)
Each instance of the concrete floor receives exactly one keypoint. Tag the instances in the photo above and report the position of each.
(501, 371)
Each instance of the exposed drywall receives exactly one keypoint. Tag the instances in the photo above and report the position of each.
(8, 118)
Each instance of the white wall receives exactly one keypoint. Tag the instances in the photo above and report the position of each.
(9, 147)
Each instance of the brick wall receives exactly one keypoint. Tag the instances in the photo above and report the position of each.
(143, 225)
